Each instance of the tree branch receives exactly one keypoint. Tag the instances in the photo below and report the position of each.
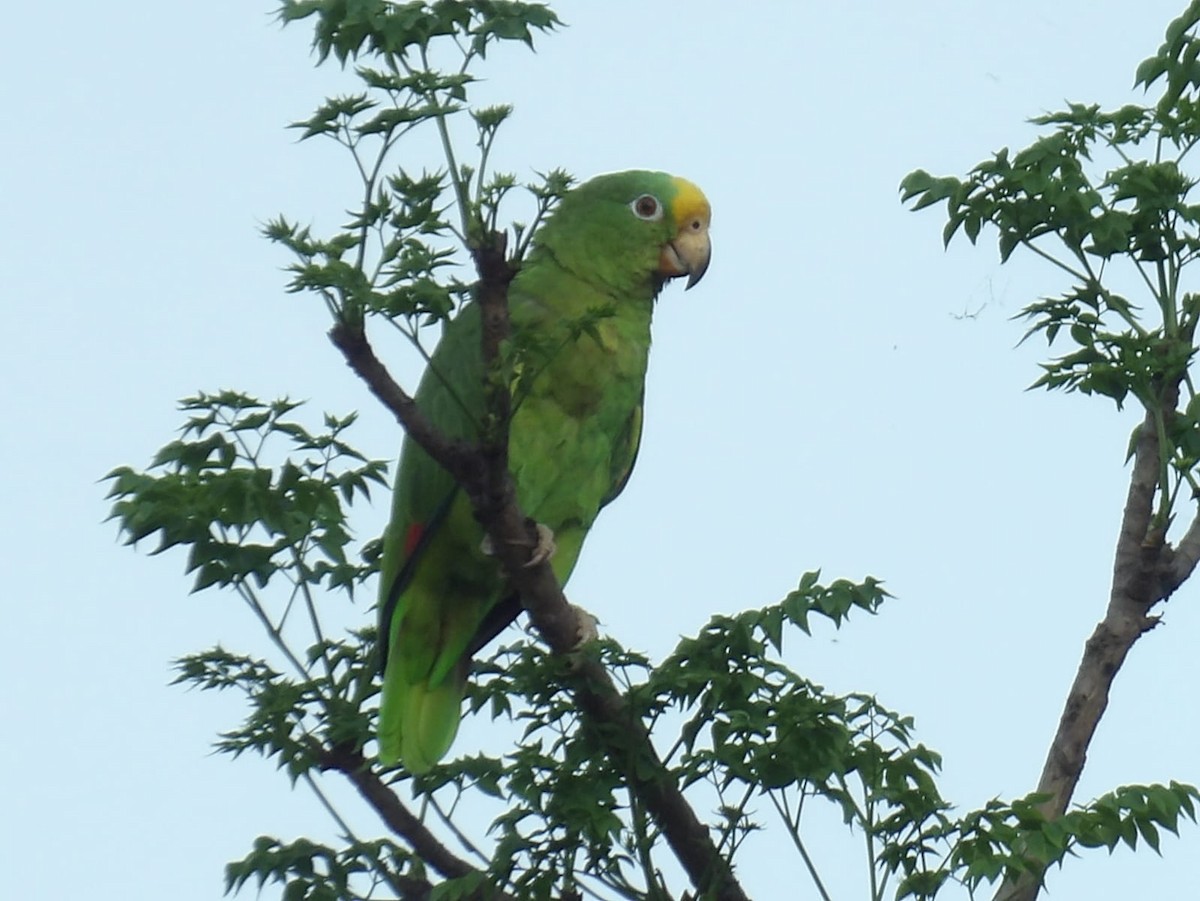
(483, 474)
(1186, 556)
(457, 457)
(399, 818)
(1146, 570)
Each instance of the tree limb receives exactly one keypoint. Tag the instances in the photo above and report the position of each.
(1146, 571)
(457, 457)
(399, 819)
(1186, 556)
(1125, 620)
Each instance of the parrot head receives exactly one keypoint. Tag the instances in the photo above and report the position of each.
(627, 229)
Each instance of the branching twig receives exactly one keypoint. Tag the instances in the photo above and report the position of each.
(397, 817)
(457, 457)
(1146, 571)
(793, 826)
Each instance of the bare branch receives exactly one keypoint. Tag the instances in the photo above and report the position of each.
(1145, 572)
(456, 456)
(397, 817)
(1185, 558)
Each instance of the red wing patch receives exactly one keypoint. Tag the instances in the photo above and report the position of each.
(413, 538)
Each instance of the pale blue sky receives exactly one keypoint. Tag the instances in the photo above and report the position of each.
(817, 402)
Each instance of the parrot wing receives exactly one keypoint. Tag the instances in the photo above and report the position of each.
(625, 454)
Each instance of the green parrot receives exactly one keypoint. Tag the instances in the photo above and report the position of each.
(610, 245)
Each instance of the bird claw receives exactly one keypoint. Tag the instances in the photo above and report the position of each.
(542, 551)
(588, 630)
(545, 546)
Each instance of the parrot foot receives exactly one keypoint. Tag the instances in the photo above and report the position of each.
(588, 627)
(545, 546)
(542, 551)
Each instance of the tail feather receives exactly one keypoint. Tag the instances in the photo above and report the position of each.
(417, 720)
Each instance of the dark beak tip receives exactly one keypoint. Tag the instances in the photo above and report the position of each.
(695, 276)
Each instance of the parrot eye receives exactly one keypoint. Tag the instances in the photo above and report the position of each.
(647, 207)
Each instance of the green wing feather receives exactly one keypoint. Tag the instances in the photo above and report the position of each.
(625, 453)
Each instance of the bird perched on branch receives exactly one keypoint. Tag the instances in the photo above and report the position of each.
(580, 310)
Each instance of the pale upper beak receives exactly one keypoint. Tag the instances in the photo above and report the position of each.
(688, 253)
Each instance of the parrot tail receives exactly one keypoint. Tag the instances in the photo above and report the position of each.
(418, 720)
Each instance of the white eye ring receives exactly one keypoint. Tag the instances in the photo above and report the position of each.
(647, 207)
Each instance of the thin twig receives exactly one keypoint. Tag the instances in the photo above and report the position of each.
(330, 809)
(794, 832)
(449, 823)
(456, 457)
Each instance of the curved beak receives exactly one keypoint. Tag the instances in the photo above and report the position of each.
(688, 253)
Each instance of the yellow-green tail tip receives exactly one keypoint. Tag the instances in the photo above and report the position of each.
(418, 722)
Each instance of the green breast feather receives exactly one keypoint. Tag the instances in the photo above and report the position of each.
(580, 310)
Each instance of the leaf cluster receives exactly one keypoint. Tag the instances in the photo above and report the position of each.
(748, 729)
(294, 717)
(348, 28)
(742, 731)
(1010, 839)
(398, 254)
(242, 520)
(310, 871)
(1106, 196)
